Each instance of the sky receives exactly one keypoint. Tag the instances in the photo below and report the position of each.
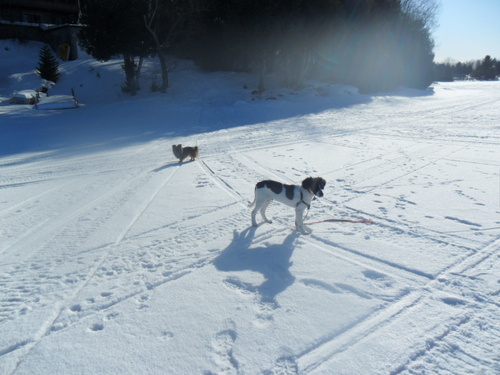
(467, 30)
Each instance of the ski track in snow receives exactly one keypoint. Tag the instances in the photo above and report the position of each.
(87, 243)
(340, 342)
(57, 229)
(371, 324)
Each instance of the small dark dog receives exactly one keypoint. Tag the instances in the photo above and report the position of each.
(182, 153)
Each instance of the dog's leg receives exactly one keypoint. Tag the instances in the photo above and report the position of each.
(299, 220)
(255, 210)
(263, 210)
(261, 206)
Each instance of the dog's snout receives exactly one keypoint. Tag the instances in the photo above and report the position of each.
(319, 193)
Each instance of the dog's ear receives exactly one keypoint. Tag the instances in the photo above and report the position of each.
(307, 183)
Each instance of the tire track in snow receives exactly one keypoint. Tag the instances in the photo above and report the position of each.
(34, 238)
(50, 323)
(422, 165)
(337, 342)
(324, 201)
(305, 128)
(221, 183)
(476, 306)
(409, 228)
(72, 167)
(412, 230)
(181, 222)
(460, 106)
(14, 281)
(167, 276)
(407, 303)
(9, 215)
(374, 321)
(174, 268)
(398, 227)
(36, 234)
(17, 206)
(126, 229)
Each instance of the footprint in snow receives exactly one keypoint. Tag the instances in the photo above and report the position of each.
(202, 182)
(265, 314)
(223, 355)
(112, 316)
(320, 285)
(336, 288)
(96, 327)
(142, 302)
(286, 365)
(374, 275)
(166, 335)
(233, 283)
(265, 308)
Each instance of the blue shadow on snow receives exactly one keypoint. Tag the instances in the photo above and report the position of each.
(141, 120)
(272, 261)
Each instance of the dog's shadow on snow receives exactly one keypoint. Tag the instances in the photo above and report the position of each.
(168, 165)
(272, 261)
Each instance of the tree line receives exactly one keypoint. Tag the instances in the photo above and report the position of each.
(373, 44)
(485, 69)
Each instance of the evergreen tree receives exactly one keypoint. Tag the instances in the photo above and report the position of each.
(463, 69)
(486, 69)
(443, 72)
(48, 66)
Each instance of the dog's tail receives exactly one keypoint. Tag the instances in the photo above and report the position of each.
(251, 204)
(254, 200)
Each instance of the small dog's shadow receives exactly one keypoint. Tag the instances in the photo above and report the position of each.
(272, 261)
(168, 165)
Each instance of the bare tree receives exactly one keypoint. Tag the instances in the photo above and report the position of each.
(114, 28)
(423, 10)
(150, 20)
(166, 20)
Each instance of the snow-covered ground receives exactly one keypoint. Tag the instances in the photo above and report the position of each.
(116, 259)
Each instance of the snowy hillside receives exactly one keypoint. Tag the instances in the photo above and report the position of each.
(116, 259)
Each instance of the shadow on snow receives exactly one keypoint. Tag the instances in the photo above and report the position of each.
(272, 261)
(136, 121)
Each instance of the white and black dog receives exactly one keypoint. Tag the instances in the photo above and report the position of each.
(296, 196)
